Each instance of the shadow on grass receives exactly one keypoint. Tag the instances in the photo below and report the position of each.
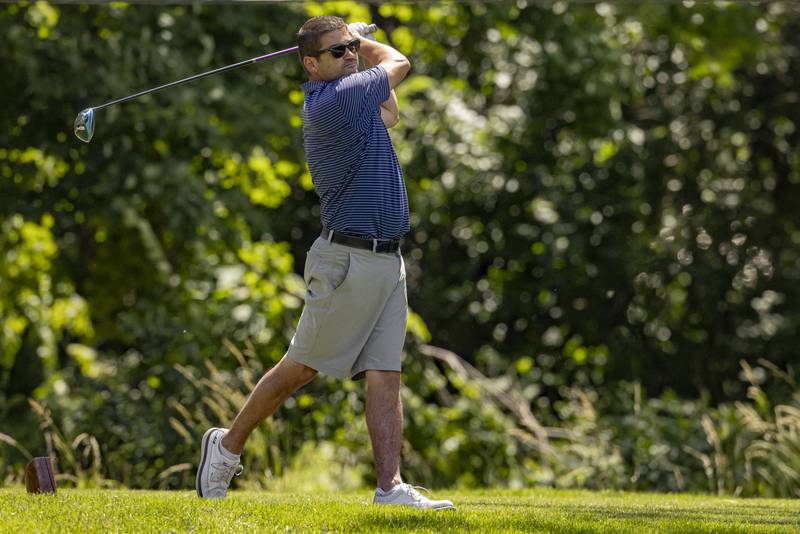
(732, 517)
(422, 519)
(581, 519)
(735, 515)
(456, 521)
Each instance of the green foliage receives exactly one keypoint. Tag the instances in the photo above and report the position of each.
(37, 309)
(148, 247)
(605, 179)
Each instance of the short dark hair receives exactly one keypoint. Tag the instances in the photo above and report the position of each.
(310, 33)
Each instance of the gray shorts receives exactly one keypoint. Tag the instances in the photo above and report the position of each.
(354, 319)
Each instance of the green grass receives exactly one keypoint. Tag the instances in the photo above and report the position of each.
(538, 510)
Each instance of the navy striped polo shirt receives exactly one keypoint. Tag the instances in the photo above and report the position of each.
(353, 164)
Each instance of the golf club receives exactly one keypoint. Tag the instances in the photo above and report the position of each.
(84, 122)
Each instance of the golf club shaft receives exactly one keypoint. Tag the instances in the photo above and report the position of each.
(370, 29)
(198, 76)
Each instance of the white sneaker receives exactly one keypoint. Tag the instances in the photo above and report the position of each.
(216, 467)
(407, 495)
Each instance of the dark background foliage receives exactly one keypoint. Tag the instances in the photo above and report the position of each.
(603, 200)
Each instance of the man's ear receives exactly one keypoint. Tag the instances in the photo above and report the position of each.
(311, 65)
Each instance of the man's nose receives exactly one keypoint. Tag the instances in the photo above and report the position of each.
(349, 51)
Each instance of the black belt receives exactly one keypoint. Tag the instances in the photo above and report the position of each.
(375, 245)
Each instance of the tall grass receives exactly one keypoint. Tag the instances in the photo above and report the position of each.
(753, 448)
(273, 456)
(222, 395)
(772, 458)
(78, 460)
(466, 428)
(626, 441)
(749, 448)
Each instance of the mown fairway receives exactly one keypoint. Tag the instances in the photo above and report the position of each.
(478, 511)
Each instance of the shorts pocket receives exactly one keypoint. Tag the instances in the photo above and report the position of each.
(326, 271)
(337, 269)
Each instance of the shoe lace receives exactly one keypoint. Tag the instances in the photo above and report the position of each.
(417, 496)
(225, 472)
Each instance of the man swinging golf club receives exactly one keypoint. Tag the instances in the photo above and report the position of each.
(354, 320)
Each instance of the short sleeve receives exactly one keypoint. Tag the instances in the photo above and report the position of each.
(362, 91)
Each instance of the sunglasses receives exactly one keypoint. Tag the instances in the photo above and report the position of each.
(338, 50)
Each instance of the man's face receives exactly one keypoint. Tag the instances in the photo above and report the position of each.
(325, 67)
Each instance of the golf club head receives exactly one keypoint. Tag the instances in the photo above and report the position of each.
(84, 125)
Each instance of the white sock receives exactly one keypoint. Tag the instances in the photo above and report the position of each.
(228, 455)
(381, 492)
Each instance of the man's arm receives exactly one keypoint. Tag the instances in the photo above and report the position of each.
(390, 112)
(396, 64)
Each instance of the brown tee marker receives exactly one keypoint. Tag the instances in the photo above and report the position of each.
(39, 477)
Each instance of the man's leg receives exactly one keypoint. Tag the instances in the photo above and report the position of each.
(385, 423)
(220, 448)
(268, 395)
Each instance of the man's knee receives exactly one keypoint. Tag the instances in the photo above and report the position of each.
(306, 374)
(383, 379)
(300, 374)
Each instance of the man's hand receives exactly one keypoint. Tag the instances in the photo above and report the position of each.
(361, 29)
